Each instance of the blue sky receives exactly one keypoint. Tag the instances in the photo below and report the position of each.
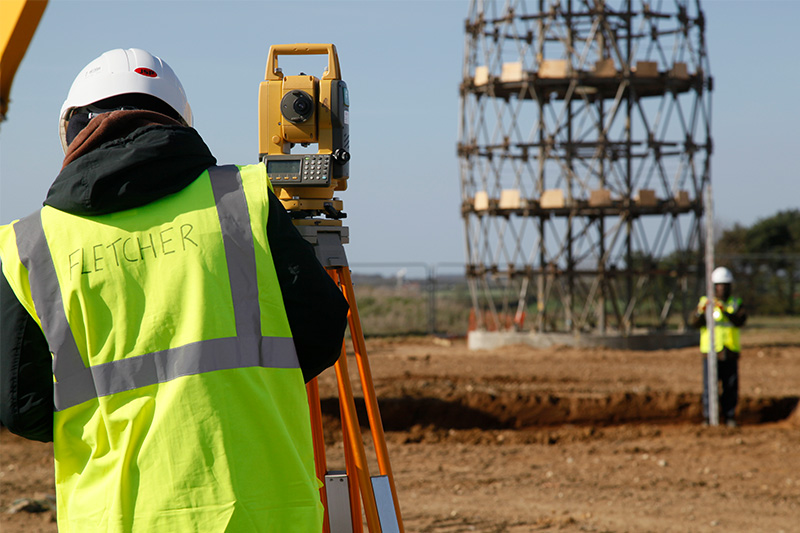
(402, 62)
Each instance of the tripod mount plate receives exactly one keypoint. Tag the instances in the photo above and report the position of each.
(328, 242)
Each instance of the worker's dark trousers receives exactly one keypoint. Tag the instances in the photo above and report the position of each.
(728, 375)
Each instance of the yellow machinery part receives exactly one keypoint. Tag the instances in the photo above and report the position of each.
(18, 22)
(306, 204)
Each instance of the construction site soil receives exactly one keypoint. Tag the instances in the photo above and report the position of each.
(563, 439)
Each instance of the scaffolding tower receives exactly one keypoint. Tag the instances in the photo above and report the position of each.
(584, 152)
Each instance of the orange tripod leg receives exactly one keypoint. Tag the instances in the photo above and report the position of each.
(370, 399)
(354, 452)
(350, 464)
(351, 426)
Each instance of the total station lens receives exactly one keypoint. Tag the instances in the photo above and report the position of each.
(297, 106)
(301, 106)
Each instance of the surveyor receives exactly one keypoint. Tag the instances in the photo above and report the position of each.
(729, 315)
(183, 312)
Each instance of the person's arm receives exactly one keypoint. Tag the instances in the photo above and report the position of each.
(698, 318)
(26, 375)
(738, 317)
(315, 306)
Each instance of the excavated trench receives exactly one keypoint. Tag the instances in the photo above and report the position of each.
(524, 410)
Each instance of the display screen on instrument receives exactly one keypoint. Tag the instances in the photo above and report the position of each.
(283, 166)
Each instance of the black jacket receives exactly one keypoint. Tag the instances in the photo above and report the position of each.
(126, 172)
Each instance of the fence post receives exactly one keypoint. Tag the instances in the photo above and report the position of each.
(431, 272)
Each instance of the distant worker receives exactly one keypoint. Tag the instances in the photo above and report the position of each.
(183, 312)
(729, 316)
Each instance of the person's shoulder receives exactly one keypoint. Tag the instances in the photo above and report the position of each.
(253, 167)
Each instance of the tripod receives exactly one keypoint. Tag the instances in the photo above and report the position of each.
(342, 491)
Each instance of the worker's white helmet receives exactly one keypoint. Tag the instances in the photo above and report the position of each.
(721, 275)
(119, 72)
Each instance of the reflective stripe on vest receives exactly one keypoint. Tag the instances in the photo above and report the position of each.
(75, 383)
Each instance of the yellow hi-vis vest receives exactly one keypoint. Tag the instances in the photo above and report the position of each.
(180, 405)
(726, 335)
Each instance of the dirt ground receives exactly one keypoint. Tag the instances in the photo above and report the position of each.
(521, 439)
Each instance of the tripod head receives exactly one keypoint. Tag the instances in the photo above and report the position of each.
(305, 110)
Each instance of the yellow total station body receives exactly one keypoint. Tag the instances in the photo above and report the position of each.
(305, 110)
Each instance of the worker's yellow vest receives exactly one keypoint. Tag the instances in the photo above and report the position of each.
(180, 405)
(726, 335)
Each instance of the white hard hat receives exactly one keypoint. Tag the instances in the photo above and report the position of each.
(721, 275)
(119, 72)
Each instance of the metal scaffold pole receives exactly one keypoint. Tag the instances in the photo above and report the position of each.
(711, 358)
